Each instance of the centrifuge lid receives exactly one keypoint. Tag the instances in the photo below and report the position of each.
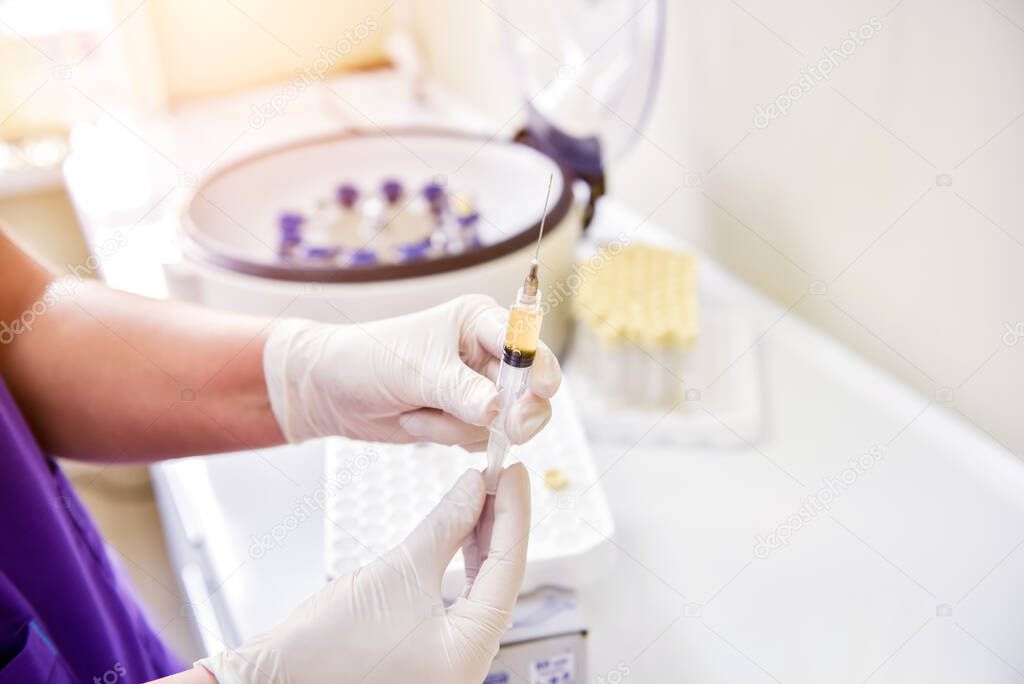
(589, 69)
(231, 219)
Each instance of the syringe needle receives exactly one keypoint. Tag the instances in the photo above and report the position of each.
(543, 217)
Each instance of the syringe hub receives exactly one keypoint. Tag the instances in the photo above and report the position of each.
(531, 283)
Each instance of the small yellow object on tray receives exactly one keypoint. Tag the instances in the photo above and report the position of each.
(555, 479)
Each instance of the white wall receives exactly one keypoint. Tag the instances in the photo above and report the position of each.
(920, 276)
(208, 48)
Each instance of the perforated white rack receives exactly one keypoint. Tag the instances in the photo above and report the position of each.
(379, 492)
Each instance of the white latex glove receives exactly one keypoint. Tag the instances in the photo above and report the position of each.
(386, 621)
(425, 377)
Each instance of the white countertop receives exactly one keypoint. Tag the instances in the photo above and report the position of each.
(912, 575)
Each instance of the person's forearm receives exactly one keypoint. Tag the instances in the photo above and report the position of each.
(197, 675)
(104, 375)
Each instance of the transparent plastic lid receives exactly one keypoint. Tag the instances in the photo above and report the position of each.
(589, 68)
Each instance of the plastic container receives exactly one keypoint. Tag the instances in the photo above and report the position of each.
(637, 318)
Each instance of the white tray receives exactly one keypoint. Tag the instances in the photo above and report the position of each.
(377, 493)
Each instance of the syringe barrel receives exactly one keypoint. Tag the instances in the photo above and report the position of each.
(512, 384)
(497, 450)
(522, 335)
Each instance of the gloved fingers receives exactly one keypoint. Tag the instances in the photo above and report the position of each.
(434, 425)
(475, 446)
(484, 331)
(388, 429)
(488, 368)
(546, 373)
(473, 551)
(527, 417)
(435, 540)
(467, 395)
(501, 575)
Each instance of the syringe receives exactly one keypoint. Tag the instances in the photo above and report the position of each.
(522, 335)
(521, 338)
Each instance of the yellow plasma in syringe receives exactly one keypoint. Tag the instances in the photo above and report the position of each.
(522, 335)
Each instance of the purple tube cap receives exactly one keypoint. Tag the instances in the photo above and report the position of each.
(290, 225)
(363, 257)
(322, 252)
(468, 220)
(392, 190)
(433, 192)
(414, 252)
(290, 219)
(348, 195)
(419, 248)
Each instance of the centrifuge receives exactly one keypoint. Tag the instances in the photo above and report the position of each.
(588, 70)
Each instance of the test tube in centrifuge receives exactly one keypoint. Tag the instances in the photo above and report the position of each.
(290, 226)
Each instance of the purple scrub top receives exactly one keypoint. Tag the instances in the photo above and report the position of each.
(67, 613)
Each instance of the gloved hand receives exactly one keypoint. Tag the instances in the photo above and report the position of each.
(386, 621)
(425, 377)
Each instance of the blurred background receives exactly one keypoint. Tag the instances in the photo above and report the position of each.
(891, 182)
(857, 162)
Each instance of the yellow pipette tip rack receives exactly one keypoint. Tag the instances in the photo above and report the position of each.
(643, 295)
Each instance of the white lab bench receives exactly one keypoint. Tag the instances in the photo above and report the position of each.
(912, 575)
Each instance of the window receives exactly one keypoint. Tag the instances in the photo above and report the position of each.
(61, 59)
